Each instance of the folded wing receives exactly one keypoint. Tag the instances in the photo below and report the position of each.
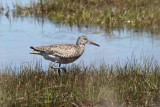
(62, 50)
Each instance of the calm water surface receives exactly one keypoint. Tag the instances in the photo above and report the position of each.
(18, 34)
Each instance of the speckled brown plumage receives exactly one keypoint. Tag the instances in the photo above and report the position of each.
(62, 50)
(66, 53)
(63, 53)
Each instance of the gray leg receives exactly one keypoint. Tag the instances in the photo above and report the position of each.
(59, 71)
(53, 67)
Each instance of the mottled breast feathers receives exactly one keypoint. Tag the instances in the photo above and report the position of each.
(61, 50)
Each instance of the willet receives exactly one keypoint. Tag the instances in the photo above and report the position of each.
(62, 53)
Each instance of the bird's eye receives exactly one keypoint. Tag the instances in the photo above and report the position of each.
(85, 38)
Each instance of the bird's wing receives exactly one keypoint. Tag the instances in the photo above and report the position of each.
(62, 50)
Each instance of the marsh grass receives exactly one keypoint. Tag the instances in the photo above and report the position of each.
(104, 13)
(131, 84)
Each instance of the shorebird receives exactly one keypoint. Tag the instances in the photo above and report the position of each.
(62, 53)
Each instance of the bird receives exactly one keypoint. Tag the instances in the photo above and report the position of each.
(63, 53)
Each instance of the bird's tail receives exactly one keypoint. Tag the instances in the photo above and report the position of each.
(34, 52)
(32, 47)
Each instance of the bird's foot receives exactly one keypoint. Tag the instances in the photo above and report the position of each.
(64, 69)
(59, 69)
(51, 67)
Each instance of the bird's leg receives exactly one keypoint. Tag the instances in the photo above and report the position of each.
(53, 67)
(61, 68)
(59, 71)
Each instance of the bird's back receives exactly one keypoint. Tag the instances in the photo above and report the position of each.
(61, 50)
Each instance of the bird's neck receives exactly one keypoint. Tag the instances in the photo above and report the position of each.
(80, 45)
(81, 48)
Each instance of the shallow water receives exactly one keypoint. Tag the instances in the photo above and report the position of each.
(19, 33)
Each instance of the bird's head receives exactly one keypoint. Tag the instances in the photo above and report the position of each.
(82, 40)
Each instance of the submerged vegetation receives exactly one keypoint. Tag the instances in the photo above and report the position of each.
(134, 83)
(104, 13)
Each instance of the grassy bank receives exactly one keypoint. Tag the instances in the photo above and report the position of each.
(131, 84)
(104, 13)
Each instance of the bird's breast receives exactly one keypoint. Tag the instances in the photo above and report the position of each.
(68, 60)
